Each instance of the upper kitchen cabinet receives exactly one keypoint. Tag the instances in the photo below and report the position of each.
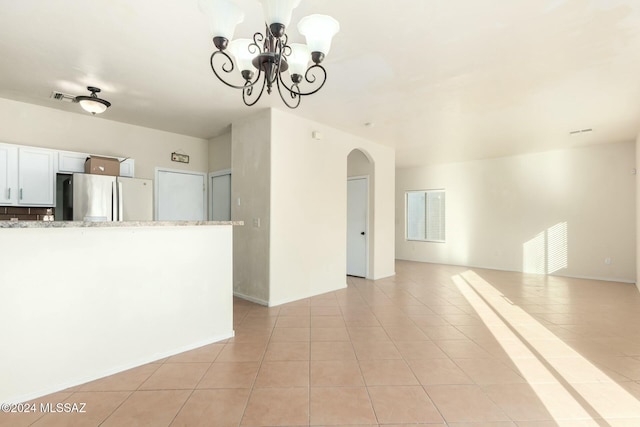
(127, 168)
(8, 174)
(70, 162)
(36, 176)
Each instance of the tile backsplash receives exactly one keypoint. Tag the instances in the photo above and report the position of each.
(25, 214)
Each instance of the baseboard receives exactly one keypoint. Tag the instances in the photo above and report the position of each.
(117, 369)
(601, 279)
(300, 297)
(251, 299)
(384, 276)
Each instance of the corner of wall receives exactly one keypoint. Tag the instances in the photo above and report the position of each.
(250, 190)
(637, 146)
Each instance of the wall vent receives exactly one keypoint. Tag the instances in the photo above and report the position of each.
(59, 96)
(576, 132)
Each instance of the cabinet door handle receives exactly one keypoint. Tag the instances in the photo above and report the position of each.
(21, 194)
(9, 193)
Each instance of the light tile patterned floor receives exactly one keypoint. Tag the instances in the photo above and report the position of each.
(433, 346)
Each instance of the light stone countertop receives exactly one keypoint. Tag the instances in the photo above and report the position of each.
(107, 224)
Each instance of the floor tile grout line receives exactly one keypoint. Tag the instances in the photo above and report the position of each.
(405, 361)
(260, 362)
(132, 392)
(195, 387)
(43, 414)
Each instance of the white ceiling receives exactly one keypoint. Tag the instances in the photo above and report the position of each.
(441, 80)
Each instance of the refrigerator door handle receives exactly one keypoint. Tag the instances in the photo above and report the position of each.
(120, 207)
(114, 201)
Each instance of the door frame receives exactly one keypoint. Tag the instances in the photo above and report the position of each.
(366, 231)
(156, 189)
(211, 175)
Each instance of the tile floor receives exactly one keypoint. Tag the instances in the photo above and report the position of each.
(435, 345)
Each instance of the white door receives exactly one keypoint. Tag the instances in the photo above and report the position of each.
(357, 212)
(180, 195)
(221, 197)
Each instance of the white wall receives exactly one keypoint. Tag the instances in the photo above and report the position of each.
(297, 187)
(89, 302)
(510, 213)
(220, 152)
(29, 124)
(358, 164)
(308, 207)
(251, 166)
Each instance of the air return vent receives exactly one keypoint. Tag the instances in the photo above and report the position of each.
(577, 132)
(59, 96)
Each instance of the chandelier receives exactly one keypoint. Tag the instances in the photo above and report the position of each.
(263, 60)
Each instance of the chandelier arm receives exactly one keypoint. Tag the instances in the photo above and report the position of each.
(227, 69)
(248, 91)
(295, 95)
(310, 78)
(257, 39)
(255, 46)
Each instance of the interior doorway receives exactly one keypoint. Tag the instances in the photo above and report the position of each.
(359, 213)
(357, 225)
(180, 195)
(220, 195)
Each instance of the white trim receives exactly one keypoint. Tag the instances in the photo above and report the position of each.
(284, 301)
(156, 180)
(221, 172)
(406, 216)
(366, 228)
(298, 298)
(386, 276)
(600, 279)
(251, 299)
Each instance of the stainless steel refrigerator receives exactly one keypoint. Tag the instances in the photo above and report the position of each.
(110, 198)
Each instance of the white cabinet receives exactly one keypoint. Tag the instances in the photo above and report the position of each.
(8, 174)
(36, 176)
(28, 174)
(127, 168)
(70, 162)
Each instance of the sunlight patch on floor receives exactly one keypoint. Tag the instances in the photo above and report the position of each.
(568, 385)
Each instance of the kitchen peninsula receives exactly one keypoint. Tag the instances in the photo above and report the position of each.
(82, 300)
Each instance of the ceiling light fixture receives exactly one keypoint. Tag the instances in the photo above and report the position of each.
(92, 103)
(270, 54)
